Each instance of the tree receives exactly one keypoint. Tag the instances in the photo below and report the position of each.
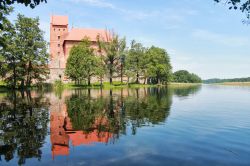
(100, 69)
(5, 6)
(242, 5)
(184, 76)
(31, 3)
(158, 65)
(113, 47)
(82, 62)
(32, 50)
(135, 58)
(24, 52)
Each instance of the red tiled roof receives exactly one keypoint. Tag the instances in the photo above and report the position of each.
(59, 20)
(77, 34)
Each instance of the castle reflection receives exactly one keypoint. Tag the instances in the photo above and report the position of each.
(84, 117)
(73, 118)
(62, 133)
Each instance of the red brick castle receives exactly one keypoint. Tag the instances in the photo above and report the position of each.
(62, 40)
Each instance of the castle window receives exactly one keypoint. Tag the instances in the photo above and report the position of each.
(58, 45)
(58, 37)
(59, 29)
(58, 54)
(63, 29)
(54, 29)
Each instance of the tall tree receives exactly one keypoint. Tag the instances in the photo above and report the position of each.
(100, 69)
(158, 67)
(136, 58)
(113, 47)
(82, 62)
(24, 53)
(31, 49)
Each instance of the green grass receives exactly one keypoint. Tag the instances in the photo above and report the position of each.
(3, 86)
(182, 85)
(106, 85)
(117, 84)
(58, 85)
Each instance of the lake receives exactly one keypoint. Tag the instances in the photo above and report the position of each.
(204, 125)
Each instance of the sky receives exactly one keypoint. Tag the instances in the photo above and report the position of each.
(200, 36)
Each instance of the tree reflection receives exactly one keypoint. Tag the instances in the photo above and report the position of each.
(114, 113)
(184, 92)
(23, 126)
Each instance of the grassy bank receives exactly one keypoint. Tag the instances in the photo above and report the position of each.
(234, 83)
(106, 85)
(183, 85)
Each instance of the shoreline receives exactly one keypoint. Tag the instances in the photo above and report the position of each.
(232, 83)
(105, 86)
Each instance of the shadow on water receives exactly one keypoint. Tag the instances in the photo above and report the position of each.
(78, 117)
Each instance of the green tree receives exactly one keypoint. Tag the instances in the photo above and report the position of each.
(135, 59)
(112, 47)
(24, 52)
(32, 50)
(100, 69)
(158, 65)
(184, 76)
(82, 62)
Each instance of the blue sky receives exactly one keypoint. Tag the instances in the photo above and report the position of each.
(200, 36)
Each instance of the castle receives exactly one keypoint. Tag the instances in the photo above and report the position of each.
(62, 39)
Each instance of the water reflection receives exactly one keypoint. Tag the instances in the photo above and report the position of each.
(77, 117)
(23, 126)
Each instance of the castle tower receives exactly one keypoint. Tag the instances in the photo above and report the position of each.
(58, 31)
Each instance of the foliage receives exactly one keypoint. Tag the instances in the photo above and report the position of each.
(82, 62)
(242, 5)
(217, 80)
(158, 65)
(24, 53)
(5, 6)
(184, 76)
(112, 48)
(135, 59)
(32, 3)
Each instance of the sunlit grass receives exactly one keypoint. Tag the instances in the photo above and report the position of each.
(117, 84)
(182, 85)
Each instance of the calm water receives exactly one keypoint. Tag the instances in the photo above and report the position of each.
(208, 125)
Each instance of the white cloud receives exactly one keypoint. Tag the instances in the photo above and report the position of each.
(98, 3)
(220, 38)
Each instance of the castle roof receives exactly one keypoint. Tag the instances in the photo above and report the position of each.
(59, 20)
(77, 34)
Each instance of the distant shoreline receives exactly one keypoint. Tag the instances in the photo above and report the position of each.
(232, 83)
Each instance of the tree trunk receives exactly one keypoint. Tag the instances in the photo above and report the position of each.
(89, 80)
(101, 81)
(145, 79)
(14, 76)
(121, 73)
(111, 73)
(137, 77)
(110, 76)
(22, 84)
